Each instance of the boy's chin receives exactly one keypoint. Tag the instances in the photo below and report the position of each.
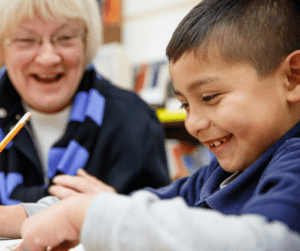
(230, 168)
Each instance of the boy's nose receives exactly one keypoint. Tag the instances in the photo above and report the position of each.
(47, 54)
(195, 123)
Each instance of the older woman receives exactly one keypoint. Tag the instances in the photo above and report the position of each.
(79, 120)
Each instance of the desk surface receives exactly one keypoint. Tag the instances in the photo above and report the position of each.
(6, 243)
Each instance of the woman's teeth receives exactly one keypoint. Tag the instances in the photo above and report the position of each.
(47, 78)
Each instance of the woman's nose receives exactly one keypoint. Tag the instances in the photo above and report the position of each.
(47, 54)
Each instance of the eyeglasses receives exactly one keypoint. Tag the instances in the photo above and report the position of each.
(61, 40)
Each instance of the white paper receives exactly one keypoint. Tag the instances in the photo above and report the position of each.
(7, 243)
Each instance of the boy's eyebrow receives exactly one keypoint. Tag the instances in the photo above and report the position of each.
(197, 83)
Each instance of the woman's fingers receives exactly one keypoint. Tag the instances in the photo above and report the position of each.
(83, 183)
(62, 192)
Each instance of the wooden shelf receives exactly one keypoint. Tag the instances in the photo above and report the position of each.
(112, 21)
(173, 124)
(112, 33)
(176, 130)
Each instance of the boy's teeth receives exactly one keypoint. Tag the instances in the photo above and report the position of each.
(218, 142)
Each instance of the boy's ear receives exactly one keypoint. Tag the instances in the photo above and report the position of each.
(293, 75)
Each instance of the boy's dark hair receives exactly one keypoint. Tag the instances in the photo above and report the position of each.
(259, 32)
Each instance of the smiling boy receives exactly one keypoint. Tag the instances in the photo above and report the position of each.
(235, 66)
(232, 110)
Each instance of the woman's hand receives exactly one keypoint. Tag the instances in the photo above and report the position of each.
(57, 227)
(84, 183)
(11, 220)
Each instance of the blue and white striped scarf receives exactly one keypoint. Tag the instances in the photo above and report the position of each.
(71, 152)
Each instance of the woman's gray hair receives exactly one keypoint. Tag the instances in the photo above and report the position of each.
(13, 12)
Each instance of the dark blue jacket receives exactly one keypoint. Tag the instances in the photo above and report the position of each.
(269, 187)
(119, 140)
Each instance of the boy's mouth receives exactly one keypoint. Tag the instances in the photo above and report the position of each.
(218, 142)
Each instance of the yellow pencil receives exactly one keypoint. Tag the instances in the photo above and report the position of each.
(13, 132)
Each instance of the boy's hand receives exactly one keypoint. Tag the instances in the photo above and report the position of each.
(66, 185)
(57, 227)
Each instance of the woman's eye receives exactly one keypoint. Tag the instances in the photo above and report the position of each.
(24, 40)
(210, 97)
(64, 38)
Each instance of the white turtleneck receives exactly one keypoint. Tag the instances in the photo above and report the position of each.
(47, 128)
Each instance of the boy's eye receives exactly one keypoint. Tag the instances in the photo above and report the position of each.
(210, 97)
(184, 106)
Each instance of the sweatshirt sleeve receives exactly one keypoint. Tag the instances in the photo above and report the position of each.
(33, 208)
(144, 222)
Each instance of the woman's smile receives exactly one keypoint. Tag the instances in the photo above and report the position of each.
(48, 73)
(47, 78)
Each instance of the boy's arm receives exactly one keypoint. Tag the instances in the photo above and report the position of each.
(115, 222)
(56, 226)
